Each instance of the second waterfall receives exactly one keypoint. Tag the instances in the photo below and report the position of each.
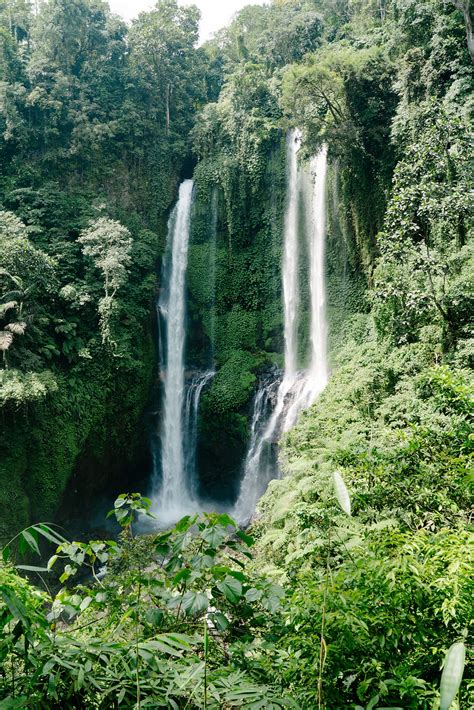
(299, 387)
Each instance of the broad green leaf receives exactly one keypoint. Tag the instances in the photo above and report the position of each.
(342, 494)
(220, 621)
(253, 595)
(14, 703)
(231, 588)
(31, 541)
(247, 539)
(452, 674)
(195, 603)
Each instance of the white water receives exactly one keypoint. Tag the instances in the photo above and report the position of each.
(191, 410)
(259, 463)
(298, 389)
(309, 384)
(318, 371)
(174, 497)
(290, 259)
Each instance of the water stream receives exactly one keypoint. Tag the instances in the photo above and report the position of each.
(194, 389)
(173, 494)
(298, 388)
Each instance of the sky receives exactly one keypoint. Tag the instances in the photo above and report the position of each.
(214, 13)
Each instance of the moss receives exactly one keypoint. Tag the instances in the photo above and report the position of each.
(93, 415)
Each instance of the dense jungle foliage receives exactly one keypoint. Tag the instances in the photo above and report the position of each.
(354, 583)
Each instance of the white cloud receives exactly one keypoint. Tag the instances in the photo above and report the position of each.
(214, 13)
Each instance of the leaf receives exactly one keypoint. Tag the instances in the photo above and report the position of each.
(85, 603)
(342, 494)
(170, 644)
(49, 534)
(5, 307)
(220, 621)
(121, 695)
(11, 703)
(253, 595)
(18, 328)
(32, 568)
(214, 536)
(30, 541)
(16, 607)
(247, 539)
(231, 588)
(52, 561)
(452, 674)
(6, 339)
(194, 603)
(373, 702)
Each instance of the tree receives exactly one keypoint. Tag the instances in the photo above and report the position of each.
(425, 270)
(165, 61)
(109, 244)
(464, 6)
(26, 274)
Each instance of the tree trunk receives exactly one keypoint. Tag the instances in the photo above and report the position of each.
(464, 7)
(168, 92)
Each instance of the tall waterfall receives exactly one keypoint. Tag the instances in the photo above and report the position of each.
(174, 495)
(297, 389)
(318, 371)
(290, 259)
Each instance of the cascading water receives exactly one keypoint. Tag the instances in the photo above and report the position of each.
(259, 464)
(297, 390)
(174, 495)
(309, 384)
(193, 396)
(290, 259)
(317, 376)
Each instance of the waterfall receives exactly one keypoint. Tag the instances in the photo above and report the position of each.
(290, 258)
(309, 384)
(191, 410)
(174, 495)
(318, 370)
(259, 463)
(297, 389)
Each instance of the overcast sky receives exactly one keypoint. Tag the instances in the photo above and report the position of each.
(214, 13)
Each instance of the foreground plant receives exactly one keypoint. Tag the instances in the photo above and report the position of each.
(163, 625)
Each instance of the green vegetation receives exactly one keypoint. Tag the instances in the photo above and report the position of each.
(90, 160)
(360, 585)
(181, 607)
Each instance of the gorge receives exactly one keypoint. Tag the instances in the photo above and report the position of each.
(176, 482)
